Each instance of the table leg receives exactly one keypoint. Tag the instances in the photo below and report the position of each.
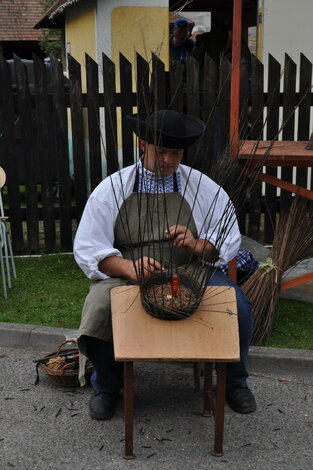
(207, 399)
(220, 403)
(196, 376)
(128, 410)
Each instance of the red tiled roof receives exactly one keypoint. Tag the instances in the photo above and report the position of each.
(17, 19)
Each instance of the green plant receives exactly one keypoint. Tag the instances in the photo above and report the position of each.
(50, 40)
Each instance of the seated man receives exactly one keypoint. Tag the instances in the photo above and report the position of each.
(200, 223)
(179, 42)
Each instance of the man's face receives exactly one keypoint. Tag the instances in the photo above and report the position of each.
(180, 34)
(160, 160)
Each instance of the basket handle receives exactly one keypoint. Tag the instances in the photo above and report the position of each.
(63, 343)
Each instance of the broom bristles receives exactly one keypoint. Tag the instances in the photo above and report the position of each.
(292, 241)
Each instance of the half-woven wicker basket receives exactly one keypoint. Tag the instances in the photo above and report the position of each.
(158, 301)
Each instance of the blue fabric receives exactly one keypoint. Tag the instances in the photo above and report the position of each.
(237, 372)
(108, 374)
(245, 263)
(179, 52)
(148, 183)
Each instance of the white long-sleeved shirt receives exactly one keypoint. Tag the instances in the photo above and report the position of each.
(211, 207)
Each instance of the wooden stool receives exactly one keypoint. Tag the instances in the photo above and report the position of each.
(209, 335)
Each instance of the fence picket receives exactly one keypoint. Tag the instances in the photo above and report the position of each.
(94, 129)
(10, 161)
(62, 154)
(158, 81)
(288, 132)
(243, 133)
(210, 89)
(142, 84)
(304, 131)
(256, 133)
(194, 156)
(80, 182)
(224, 107)
(30, 166)
(109, 92)
(270, 208)
(45, 151)
(126, 109)
(176, 86)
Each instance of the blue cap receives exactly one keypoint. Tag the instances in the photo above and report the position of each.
(181, 22)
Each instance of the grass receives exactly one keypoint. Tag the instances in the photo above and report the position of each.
(50, 290)
(292, 325)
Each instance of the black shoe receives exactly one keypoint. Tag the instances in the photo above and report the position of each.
(241, 400)
(102, 405)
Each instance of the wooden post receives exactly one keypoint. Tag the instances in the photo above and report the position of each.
(235, 77)
(235, 99)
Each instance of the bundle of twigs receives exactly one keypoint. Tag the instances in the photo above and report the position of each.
(293, 239)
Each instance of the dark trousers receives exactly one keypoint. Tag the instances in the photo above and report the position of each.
(108, 374)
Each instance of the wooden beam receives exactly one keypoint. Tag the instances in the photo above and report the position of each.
(235, 77)
(296, 281)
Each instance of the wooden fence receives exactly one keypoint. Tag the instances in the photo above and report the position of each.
(43, 133)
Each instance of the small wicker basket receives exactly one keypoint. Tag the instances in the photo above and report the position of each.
(158, 306)
(67, 375)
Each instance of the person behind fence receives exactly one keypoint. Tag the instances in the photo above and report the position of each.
(196, 31)
(102, 252)
(179, 42)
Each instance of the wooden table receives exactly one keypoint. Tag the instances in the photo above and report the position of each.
(255, 154)
(209, 335)
(285, 153)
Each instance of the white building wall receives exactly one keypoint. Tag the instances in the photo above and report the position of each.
(286, 27)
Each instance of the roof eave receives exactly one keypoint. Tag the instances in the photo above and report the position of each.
(45, 22)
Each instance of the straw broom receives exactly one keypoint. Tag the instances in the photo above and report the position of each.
(293, 239)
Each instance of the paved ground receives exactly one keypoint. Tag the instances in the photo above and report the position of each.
(48, 428)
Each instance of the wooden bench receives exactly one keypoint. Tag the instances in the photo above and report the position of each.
(286, 154)
(209, 335)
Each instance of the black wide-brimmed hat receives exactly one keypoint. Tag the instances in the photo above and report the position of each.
(166, 128)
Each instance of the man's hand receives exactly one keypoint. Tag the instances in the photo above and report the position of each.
(183, 237)
(115, 266)
(144, 267)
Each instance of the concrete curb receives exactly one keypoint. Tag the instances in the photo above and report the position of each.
(39, 338)
(275, 360)
(46, 339)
